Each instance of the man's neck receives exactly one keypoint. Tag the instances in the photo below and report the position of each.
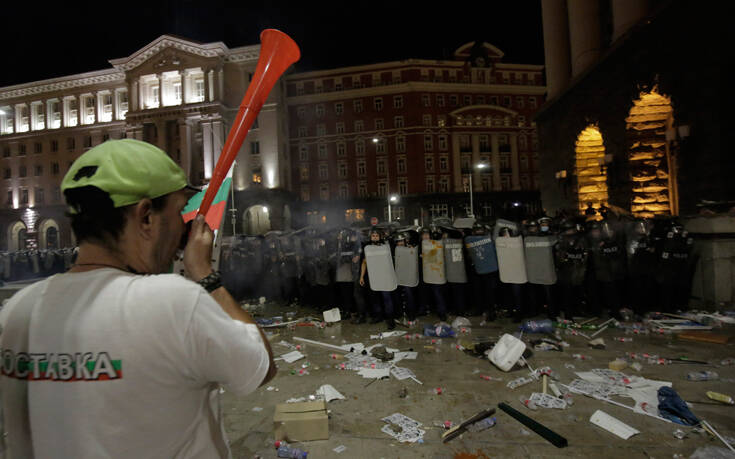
(96, 256)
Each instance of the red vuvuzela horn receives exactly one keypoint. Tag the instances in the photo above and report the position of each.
(277, 52)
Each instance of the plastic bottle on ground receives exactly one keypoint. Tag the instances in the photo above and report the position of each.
(703, 376)
(479, 426)
(538, 326)
(294, 453)
(727, 362)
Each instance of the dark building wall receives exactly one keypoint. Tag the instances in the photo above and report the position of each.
(682, 50)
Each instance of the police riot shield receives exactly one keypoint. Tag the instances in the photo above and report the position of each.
(481, 250)
(322, 261)
(432, 253)
(454, 261)
(571, 259)
(502, 223)
(511, 260)
(540, 267)
(380, 269)
(407, 266)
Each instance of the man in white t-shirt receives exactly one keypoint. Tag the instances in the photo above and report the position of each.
(113, 358)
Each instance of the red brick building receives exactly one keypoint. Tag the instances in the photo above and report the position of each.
(415, 128)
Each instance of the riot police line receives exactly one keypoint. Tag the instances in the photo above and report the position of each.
(555, 267)
(33, 264)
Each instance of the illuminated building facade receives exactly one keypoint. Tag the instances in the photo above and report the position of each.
(418, 129)
(177, 94)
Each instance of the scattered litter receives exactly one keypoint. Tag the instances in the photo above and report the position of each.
(257, 408)
(441, 331)
(388, 334)
(623, 340)
(727, 362)
(409, 430)
(476, 423)
(703, 376)
(712, 430)
(339, 449)
(271, 388)
(329, 393)
(292, 356)
(636, 366)
(372, 373)
(461, 322)
(485, 424)
(401, 373)
(673, 408)
(617, 365)
(720, 397)
(711, 452)
(599, 331)
(612, 425)
(490, 378)
(407, 355)
(569, 366)
(598, 343)
(547, 401)
(518, 382)
(506, 352)
(680, 434)
(332, 315)
(548, 434)
(525, 432)
(581, 357)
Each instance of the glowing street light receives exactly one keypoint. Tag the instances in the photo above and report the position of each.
(472, 207)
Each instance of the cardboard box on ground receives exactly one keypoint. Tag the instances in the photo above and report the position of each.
(303, 421)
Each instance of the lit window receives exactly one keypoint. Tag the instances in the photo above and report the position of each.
(443, 143)
(428, 143)
(304, 172)
(429, 163)
(199, 90)
(303, 152)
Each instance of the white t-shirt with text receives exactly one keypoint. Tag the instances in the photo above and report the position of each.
(111, 364)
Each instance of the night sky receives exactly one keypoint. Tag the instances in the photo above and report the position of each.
(51, 40)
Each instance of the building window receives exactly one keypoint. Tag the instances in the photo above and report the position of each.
(444, 184)
(304, 172)
(443, 164)
(378, 103)
(524, 162)
(521, 121)
(443, 142)
(356, 83)
(426, 100)
(453, 100)
(381, 166)
(532, 102)
(523, 142)
(321, 130)
(357, 105)
(340, 128)
(504, 162)
(403, 186)
(344, 191)
(322, 149)
(397, 101)
(55, 168)
(257, 176)
(71, 143)
(506, 101)
(305, 195)
(430, 185)
(341, 149)
(303, 131)
(467, 100)
(6, 151)
(382, 189)
(254, 148)
(38, 170)
(324, 192)
(504, 182)
(428, 143)
(439, 210)
(359, 126)
(22, 149)
(380, 147)
(319, 110)
(8, 173)
(441, 120)
(361, 168)
(398, 122)
(10, 198)
(426, 119)
(397, 77)
(337, 86)
(401, 144)
(401, 164)
(54, 146)
(360, 147)
(429, 163)
(303, 153)
(440, 100)
(362, 189)
(301, 112)
(519, 102)
(22, 171)
(318, 87)
(342, 170)
(39, 196)
(379, 124)
(88, 141)
(480, 100)
(24, 196)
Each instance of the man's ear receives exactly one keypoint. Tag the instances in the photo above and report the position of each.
(142, 216)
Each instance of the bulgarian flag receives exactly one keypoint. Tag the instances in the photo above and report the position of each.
(216, 210)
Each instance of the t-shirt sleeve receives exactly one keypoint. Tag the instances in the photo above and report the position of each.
(225, 350)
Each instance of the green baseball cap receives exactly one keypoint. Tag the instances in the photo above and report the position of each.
(128, 170)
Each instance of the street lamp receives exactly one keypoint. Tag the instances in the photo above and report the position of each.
(472, 208)
(392, 198)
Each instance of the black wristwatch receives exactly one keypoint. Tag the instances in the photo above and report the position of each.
(212, 282)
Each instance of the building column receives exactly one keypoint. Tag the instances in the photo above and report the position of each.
(185, 146)
(476, 179)
(134, 96)
(495, 147)
(62, 112)
(141, 95)
(556, 45)
(584, 33)
(207, 149)
(184, 86)
(456, 164)
(208, 85)
(159, 76)
(80, 110)
(161, 137)
(217, 138)
(98, 106)
(115, 109)
(626, 13)
(220, 84)
(514, 165)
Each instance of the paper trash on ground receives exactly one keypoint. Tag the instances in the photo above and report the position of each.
(372, 373)
(292, 356)
(408, 430)
(388, 334)
(405, 356)
(401, 373)
(332, 315)
(612, 425)
(329, 393)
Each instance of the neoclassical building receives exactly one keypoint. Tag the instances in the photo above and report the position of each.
(178, 94)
